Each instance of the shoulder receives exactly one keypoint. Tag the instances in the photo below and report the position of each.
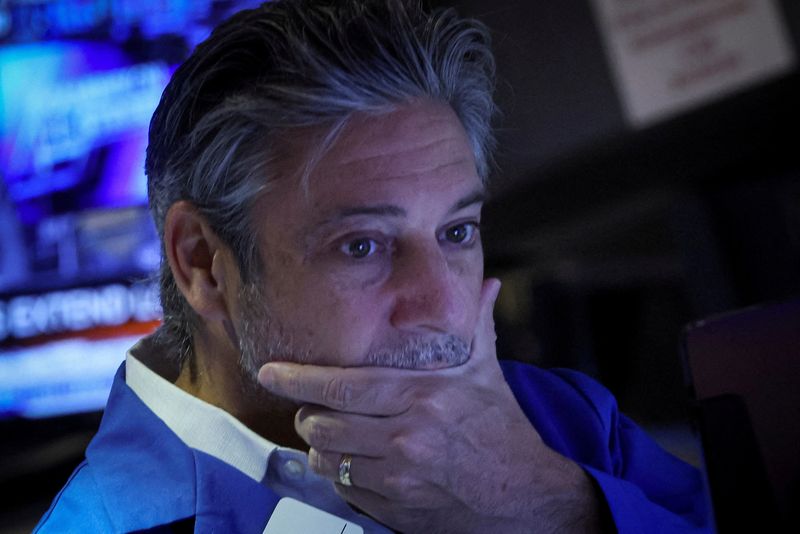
(78, 507)
(574, 414)
(137, 474)
(646, 488)
(569, 389)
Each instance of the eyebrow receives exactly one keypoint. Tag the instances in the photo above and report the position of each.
(478, 196)
(381, 210)
(389, 210)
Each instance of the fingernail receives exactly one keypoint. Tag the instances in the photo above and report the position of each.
(266, 376)
(270, 373)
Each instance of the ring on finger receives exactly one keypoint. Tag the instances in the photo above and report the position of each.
(344, 470)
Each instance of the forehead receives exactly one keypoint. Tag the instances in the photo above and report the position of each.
(419, 147)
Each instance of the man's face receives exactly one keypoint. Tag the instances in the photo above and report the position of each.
(379, 260)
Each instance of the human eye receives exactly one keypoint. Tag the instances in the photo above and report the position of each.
(464, 234)
(360, 248)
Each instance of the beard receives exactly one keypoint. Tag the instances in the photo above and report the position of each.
(262, 338)
(416, 353)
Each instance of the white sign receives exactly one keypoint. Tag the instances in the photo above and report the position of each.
(672, 55)
(292, 516)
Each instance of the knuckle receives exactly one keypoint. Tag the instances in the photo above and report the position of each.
(398, 443)
(395, 485)
(437, 407)
(337, 394)
(294, 386)
(405, 487)
(414, 451)
(406, 397)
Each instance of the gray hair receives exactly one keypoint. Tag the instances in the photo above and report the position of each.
(290, 64)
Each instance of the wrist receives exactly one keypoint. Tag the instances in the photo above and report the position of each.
(567, 500)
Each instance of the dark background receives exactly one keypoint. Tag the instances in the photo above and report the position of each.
(608, 239)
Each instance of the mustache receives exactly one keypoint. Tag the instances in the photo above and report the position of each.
(415, 353)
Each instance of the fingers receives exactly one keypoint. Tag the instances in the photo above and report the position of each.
(358, 390)
(382, 461)
(340, 432)
(378, 506)
(483, 342)
(365, 473)
(378, 476)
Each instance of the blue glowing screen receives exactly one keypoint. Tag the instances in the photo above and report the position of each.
(79, 81)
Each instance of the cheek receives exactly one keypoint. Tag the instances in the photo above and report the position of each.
(357, 325)
(358, 281)
(468, 274)
(468, 271)
(337, 322)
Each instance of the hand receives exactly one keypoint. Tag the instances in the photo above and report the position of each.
(447, 450)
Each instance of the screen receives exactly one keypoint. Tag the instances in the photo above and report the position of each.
(79, 81)
(59, 350)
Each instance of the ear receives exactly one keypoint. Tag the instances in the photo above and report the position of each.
(202, 265)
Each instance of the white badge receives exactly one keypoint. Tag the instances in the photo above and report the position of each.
(292, 516)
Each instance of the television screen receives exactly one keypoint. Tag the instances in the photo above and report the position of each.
(59, 349)
(79, 81)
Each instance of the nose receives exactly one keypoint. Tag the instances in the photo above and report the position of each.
(428, 295)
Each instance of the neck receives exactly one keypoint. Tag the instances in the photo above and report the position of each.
(213, 375)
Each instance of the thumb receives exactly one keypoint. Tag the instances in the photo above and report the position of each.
(483, 342)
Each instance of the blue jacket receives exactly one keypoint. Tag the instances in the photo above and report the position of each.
(139, 476)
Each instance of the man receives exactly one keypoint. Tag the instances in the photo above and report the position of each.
(316, 173)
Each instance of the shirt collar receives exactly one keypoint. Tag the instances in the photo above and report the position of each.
(197, 423)
(148, 477)
(133, 441)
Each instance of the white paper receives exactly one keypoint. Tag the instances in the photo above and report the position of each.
(294, 517)
(672, 55)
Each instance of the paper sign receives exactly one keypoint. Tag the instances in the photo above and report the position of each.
(672, 55)
(294, 517)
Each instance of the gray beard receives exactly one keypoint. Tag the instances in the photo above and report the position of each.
(263, 339)
(415, 353)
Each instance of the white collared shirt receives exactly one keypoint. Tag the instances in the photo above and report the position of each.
(214, 431)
